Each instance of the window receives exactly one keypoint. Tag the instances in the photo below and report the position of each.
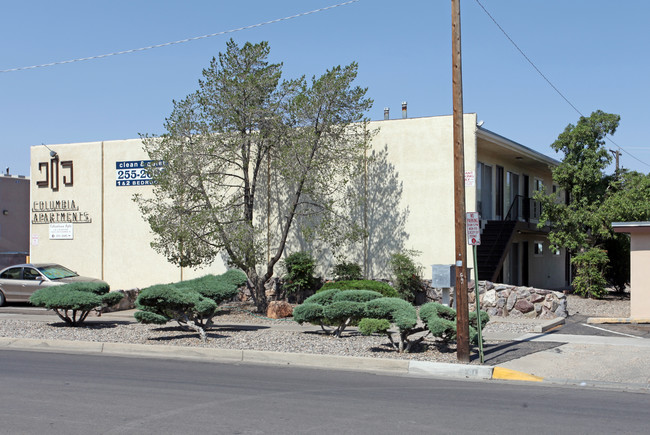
(538, 248)
(31, 274)
(13, 273)
(56, 271)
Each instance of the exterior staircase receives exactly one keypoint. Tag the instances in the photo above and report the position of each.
(495, 240)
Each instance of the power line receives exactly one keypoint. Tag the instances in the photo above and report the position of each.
(549, 82)
(166, 44)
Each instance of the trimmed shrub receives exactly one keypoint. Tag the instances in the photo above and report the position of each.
(345, 271)
(441, 321)
(364, 284)
(217, 288)
(300, 268)
(192, 304)
(308, 313)
(73, 302)
(344, 312)
(322, 297)
(406, 276)
(396, 310)
(399, 313)
(334, 308)
(356, 296)
(370, 326)
(235, 277)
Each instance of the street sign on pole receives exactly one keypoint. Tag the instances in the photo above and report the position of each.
(473, 225)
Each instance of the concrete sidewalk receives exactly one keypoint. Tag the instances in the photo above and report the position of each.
(547, 357)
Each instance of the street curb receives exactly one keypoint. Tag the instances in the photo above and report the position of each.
(514, 375)
(553, 323)
(330, 362)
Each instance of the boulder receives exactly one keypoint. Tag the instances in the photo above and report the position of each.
(490, 297)
(279, 310)
(524, 306)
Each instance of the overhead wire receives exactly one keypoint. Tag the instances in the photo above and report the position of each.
(181, 41)
(549, 82)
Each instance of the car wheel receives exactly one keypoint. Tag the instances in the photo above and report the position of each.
(2, 299)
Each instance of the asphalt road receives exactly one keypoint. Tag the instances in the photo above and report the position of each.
(81, 394)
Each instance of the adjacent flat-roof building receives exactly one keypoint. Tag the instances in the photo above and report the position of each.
(84, 217)
(14, 219)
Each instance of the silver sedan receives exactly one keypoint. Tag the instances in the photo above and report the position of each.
(17, 283)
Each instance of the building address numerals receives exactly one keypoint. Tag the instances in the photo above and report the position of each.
(55, 171)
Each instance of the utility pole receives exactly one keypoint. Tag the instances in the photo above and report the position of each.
(617, 154)
(462, 310)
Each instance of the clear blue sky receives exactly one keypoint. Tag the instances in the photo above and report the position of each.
(595, 52)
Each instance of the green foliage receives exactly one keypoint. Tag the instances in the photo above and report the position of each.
(223, 141)
(300, 272)
(375, 314)
(235, 277)
(406, 275)
(323, 297)
(341, 312)
(308, 313)
(73, 302)
(373, 326)
(217, 288)
(441, 321)
(596, 200)
(192, 304)
(147, 317)
(356, 296)
(334, 308)
(590, 267)
(345, 271)
(377, 286)
(395, 310)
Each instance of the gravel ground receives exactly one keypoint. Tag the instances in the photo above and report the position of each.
(256, 333)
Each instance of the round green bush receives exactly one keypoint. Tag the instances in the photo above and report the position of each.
(341, 311)
(63, 298)
(356, 296)
(308, 313)
(235, 277)
(217, 288)
(322, 297)
(371, 326)
(395, 310)
(365, 284)
(147, 317)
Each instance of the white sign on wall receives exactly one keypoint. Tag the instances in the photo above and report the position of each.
(61, 231)
(470, 178)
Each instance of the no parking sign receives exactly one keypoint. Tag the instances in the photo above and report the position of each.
(473, 225)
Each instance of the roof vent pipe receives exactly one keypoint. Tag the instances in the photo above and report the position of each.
(403, 109)
(386, 113)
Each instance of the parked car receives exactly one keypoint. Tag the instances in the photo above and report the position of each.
(17, 283)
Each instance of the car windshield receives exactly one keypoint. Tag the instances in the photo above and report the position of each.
(56, 271)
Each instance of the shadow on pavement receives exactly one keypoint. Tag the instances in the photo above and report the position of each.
(500, 353)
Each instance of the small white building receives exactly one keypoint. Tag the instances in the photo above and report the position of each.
(84, 217)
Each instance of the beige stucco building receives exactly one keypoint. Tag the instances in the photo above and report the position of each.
(84, 217)
(639, 259)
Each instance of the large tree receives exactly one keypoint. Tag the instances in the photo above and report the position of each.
(581, 221)
(249, 158)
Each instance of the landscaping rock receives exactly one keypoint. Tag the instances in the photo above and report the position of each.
(279, 310)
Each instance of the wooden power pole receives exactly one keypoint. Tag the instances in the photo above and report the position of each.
(462, 311)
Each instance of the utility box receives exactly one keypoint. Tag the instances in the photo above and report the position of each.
(443, 276)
